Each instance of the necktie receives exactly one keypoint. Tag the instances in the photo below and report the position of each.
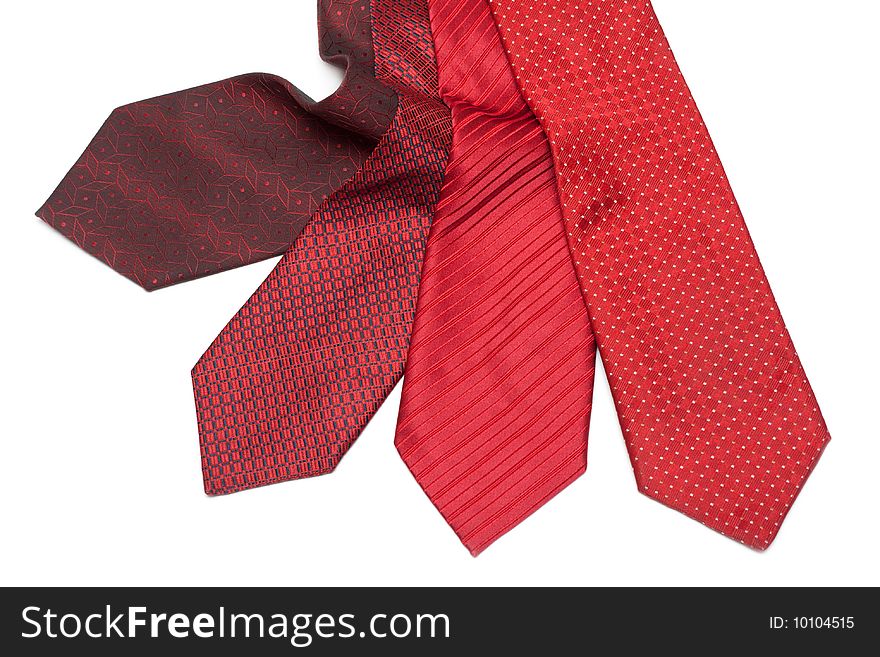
(496, 397)
(294, 377)
(225, 174)
(229, 173)
(719, 419)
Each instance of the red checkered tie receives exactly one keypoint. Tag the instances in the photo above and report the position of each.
(298, 372)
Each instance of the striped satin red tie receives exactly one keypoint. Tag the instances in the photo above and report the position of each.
(582, 206)
(499, 377)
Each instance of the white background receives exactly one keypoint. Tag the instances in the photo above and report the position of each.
(100, 478)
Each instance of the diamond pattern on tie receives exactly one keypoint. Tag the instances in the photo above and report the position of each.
(225, 174)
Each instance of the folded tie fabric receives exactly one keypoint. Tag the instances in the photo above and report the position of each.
(497, 189)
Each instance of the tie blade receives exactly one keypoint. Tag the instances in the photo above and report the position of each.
(290, 383)
(245, 444)
(754, 502)
(295, 376)
(225, 174)
(496, 399)
(203, 180)
(717, 413)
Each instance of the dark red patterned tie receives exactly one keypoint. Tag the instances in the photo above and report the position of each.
(230, 173)
(226, 174)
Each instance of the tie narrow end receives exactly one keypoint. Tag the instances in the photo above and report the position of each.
(70, 226)
(233, 478)
(750, 514)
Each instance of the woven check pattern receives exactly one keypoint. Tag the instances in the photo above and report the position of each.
(496, 398)
(292, 380)
(224, 174)
(717, 414)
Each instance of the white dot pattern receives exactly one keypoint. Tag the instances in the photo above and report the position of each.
(717, 413)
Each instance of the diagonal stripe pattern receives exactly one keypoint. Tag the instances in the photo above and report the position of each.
(496, 398)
